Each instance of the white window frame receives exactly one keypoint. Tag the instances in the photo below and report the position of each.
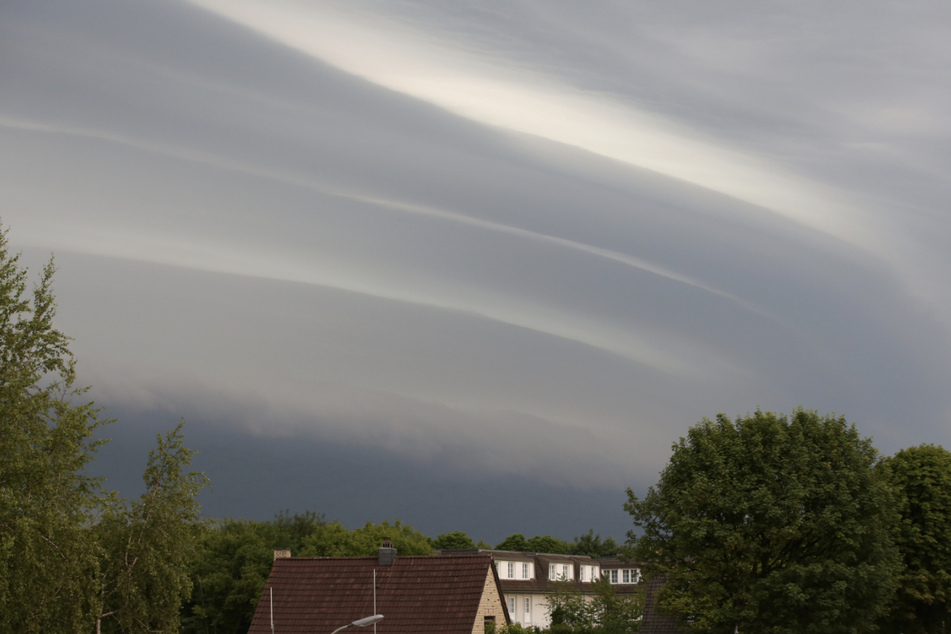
(512, 604)
(525, 571)
(528, 610)
(510, 569)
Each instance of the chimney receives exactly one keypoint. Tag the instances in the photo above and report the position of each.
(387, 553)
(281, 553)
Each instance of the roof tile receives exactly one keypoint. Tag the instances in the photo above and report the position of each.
(415, 594)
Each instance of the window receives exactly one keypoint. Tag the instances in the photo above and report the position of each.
(528, 609)
(511, 570)
(581, 578)
(626, 575)
(551, 572)
(512, 607)
(564, 572)
(525, 574)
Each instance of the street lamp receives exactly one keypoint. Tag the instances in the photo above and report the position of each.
(367, 620)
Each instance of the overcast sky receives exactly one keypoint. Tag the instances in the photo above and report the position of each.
(477, 264)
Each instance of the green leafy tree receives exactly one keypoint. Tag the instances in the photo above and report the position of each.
(591, 545)
(921, 479)
(569, 609)
(456, 540)
(515, 542)
(232, 569)
(333, 540)
(769, 524)
(603, 612)
(47, 501)
(618, 614)
(58, 531)
(537, 544)
(148, 545)
(516, 628)
(548, 544)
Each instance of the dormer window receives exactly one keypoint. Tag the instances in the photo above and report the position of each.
(525, 574)
(511, 570)
(624, 575)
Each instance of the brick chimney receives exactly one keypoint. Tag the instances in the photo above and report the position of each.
(281, 553)
(387, 554)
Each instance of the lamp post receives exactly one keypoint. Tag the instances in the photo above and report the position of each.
(367, 620)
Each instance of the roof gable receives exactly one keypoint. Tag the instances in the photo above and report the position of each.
(415, 594)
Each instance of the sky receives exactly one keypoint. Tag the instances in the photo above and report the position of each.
(477, 265)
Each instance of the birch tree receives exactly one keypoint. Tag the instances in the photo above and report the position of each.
(47, 501)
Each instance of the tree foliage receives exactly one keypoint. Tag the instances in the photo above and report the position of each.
(148, 545)
(548, 544)
(769, 524)
(921, 479)
(456, 540)
(516, 542)
(591, 545)
(47, 501)
(333, 540)
(70, 553)
(604, 612)
(537, 544)
(232, 569)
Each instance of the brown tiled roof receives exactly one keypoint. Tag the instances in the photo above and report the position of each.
(653, 622)
(414, 594)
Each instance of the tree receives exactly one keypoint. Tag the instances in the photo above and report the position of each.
(604, 612)
(921, 479)
(60, 557)
(547, 544)
(456, 540)
(769, 524)
(232, 569)
(148, 545)
(516, 542)
(333, 540)
(47, 501)
(591, 545)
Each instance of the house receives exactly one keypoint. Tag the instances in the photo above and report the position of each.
(528, 579)
(449, 594)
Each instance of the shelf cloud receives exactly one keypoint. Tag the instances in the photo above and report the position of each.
(498, 246)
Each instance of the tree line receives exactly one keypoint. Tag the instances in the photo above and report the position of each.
(235, 558)
(764, 523)
(795, 524)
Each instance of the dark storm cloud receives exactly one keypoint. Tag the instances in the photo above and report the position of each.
(526, 243)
